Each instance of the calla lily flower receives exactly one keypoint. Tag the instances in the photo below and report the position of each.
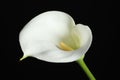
(53, 36)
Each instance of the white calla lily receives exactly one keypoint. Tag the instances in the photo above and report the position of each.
(53, 37)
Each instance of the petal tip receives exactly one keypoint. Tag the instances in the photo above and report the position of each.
(23, 58)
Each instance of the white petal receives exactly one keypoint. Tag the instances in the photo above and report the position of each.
(40, 37)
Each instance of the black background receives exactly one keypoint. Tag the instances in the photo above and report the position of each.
(98, 15)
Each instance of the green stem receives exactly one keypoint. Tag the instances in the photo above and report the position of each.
(86, 69)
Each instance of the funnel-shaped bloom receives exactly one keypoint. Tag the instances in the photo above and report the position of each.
(53, 36)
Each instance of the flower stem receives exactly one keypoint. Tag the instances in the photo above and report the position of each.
(86, 69)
